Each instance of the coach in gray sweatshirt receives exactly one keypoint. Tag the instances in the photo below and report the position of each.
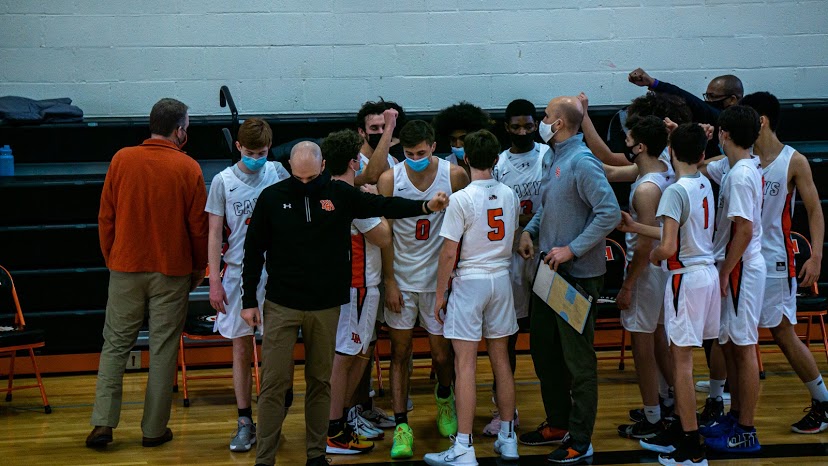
(578, 210)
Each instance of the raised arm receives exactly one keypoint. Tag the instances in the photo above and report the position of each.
(378, 162)
(594, 141)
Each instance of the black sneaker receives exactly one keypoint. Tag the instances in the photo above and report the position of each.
(685, 454)
(640, 430)
(569, 452)
(666, 440)
(713, 410)
(637, 415)
(815, 421)
(319, 461)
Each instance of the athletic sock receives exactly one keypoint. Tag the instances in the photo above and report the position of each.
(335, 426)
(716, 388)
(246, 412)
(443, 391)
(818, 390)
(746, 428)
(734, 414)
(670, 400)
(464, 439)
(653, 413)
(507, 427)
(401, 418)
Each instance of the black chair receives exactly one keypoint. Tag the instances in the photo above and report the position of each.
(608, 316)
(15, 337)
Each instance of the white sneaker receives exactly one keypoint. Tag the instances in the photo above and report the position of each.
(379, 418)
(362, 427)
(456, 455)
(703, 386)
(506, 446)
(493, 427)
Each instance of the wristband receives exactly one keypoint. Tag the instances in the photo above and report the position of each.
(427, 210)
(655, 84)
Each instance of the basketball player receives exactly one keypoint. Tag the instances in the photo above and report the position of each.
(233, 194)
(691, 298)
(786, 173)
(410, 273)
(453, 123)
(520, 168)
(376, 122)
(478, 233)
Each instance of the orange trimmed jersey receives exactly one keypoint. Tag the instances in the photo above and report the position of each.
(740, 196)
(777, 211)
(689, 201)
(366, 261)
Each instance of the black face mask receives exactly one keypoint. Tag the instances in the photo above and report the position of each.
(311, 188)
(373, 140)
(718, 104)
(631, 156)
(523, 141)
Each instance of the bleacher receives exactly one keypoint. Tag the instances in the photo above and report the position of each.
(48, 228)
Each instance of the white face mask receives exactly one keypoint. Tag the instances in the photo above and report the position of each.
(545, 130)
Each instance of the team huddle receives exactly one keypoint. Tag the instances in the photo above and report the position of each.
(700, 268)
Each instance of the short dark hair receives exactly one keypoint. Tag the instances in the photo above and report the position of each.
(482, 148)
(661, 105)
(415, 132)
(520, 107)
(731, 84)
(766, 105)
(652, 131)
(742, 123)
(688, 142)
(339, 148)
(166, 116)
(461, 116)
(370, 108)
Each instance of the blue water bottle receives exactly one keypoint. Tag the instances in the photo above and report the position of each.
(6, 161)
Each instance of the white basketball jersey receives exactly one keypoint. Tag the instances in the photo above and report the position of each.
(417, 239)
(664, 157)
(240, 199)
(523, 173)
(660, 179)
(740, 195)
(695, 235)
(364, 159)
(777, 211)
(366, 259)
(483, 218)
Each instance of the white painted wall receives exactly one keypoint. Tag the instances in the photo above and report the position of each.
(117, 57)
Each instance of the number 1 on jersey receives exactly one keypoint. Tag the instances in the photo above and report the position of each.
(423, 229)
(498, 227)
(706, 213)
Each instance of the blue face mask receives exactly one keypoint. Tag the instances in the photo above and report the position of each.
(253, 164)
(361, 168)
(418, 165)
(459, 152)
(721, 149)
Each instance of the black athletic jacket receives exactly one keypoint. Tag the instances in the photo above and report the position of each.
(308, 242)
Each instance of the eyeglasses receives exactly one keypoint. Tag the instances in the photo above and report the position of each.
(710, 97)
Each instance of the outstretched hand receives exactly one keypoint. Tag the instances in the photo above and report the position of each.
(627, 224)
(640, 78)
(439, 202)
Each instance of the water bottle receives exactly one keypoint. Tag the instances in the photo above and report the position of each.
(6, 161)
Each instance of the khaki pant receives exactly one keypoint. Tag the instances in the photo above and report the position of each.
(281, 327)
(130, 296)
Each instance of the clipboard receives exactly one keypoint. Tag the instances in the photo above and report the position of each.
(569, 301)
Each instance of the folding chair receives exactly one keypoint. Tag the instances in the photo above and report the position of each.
(608, 316)
(15, 337)
(810, 305)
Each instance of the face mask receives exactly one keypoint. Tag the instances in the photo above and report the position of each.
(373, 140)
(418, 165)
(717, 104)
(459, 152)
(522, 141)
(253, 164)
(309, 189)
(721, 149)
(545, 131)
(361, 168)
(630, 154)
(181, 144)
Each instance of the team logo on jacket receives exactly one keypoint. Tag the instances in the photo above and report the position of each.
(327, 205)
(557, 172)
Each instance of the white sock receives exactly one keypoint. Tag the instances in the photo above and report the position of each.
(716, 388)
(464, 439)
(653, 413)
(817, 388)
(507, 428)
(670, 399)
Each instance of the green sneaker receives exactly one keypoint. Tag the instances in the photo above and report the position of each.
(446, 414)
(403, 446)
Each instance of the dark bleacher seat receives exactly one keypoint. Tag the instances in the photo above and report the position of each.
(51, 246)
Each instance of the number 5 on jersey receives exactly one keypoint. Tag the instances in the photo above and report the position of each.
(498, 231)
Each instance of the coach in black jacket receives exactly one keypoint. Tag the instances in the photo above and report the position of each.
(303, 225)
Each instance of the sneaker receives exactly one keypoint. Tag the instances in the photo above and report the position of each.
(456, 455)
(569, 452)
(403, 444)
(737, 441)
(703, 386)
(544, 435)
(640, 429)
(666, 440)
(318, 461)
(685, 456)
(409, 405)
(723, 426)
(446, 414)
(637, 415)
(379, 418)
(362, 427)
(815, 421)
(713, 410)
(347, 442)
(245, 436)
(493, 427)
(507, 447)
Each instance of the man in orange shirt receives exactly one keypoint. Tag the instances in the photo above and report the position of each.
(153, 233)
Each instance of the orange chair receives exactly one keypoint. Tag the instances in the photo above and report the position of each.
(608, 315)
(15, 337)
(810, 305)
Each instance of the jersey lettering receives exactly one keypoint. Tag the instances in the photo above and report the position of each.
(423, 229)
(497, 225)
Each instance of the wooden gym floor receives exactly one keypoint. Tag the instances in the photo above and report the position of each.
(202, 431)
